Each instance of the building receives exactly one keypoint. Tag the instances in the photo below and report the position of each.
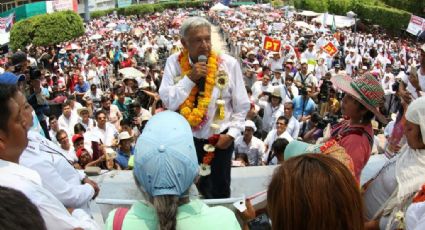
(10, 4)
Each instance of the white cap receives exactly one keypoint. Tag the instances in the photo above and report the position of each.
(250, 124)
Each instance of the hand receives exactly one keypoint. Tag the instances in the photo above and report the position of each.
(94, 185)
(249, 213)
(224, 141)
(199, 70)
(415, 82)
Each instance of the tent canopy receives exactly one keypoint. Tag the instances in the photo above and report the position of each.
(340, 21)
(219, 7)
(308, 13)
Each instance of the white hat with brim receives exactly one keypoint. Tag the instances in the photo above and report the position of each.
(81, 110)
(124, 136)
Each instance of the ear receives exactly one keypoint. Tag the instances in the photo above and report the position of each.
(3, 143)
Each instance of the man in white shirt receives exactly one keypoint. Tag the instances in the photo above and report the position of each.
(196, 39)
(260, 87)
(278, 132)
(293, 127)
(68, 119)
(276, 62)
(105, 133)
(310, 53)
(250, 145)
(303, 78)
(16, 122)
(273, 109)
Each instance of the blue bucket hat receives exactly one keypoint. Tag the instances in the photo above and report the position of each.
(165, 162)
(9, 78)
(298, 148)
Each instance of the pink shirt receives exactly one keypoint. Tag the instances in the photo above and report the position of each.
(356, 145)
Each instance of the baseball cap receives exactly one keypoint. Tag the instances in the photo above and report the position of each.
(77, 137)
(165, 160)
(9, 78)
(18, 57)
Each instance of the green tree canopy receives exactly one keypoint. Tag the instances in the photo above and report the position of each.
(47, 29)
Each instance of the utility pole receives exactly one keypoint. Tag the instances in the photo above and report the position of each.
(86, 11)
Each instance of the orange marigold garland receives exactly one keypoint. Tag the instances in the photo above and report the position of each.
(197, 116)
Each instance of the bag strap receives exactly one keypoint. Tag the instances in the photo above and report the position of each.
(119, 218)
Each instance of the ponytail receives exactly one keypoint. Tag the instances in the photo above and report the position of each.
(166, 208)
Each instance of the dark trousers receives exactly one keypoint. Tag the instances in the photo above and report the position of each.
(217, 184)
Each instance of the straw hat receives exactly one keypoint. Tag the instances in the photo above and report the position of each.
(366, 90)
(82, 109)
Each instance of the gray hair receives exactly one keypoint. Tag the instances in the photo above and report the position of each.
(193, 22)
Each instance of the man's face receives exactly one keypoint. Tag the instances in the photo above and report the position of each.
(15, 140)
(198, 42)
(66, 111)
(248, 132)
(106, 105)
(79, 144)
(265, 80)
(27, 111)
(54, 124)
(288, 110)
(280, 126)
(101, 120)
(304, 68)
(64, 141)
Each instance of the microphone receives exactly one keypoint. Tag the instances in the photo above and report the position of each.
(201, 85)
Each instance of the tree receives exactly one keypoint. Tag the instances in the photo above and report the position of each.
(47, 29)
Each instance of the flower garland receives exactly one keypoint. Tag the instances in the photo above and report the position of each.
(197, 116)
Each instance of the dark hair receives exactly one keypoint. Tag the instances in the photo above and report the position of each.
(52, 117)
(279, 145)
(78, 128)
(60, 131)
(17, 211)
(248, 90)
(244, 157)
(282, 118)
(66, 103)
(315, 117)
(7, 92)
(305, 187)
(71, 97)
(104, 99)
(125, 122)
(99, 112)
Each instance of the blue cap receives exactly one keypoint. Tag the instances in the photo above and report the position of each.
(9, 78)
(298, 148)
(165, 162)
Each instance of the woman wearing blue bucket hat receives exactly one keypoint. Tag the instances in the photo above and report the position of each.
(165, 167)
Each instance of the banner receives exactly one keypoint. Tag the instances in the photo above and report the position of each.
(124, 3)
(330, 49)
(416, 25)
(271, 44)
(277, 26)
(6, 23)
(62, 5)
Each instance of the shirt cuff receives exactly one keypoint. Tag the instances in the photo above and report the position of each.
(234, 132)
(186, 83)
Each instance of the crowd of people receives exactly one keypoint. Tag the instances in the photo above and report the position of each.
(149, 94)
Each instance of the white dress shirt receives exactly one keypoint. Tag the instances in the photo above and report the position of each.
(237, 104)
(271, 137)
(254, 149)
(57, 174)
(293, 127)
(106, 136)
(68, 124)
(270, 114)
(55, 215)
(258, 88)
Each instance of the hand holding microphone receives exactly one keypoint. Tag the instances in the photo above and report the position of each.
(199, 70)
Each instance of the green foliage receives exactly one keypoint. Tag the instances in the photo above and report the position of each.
(277, 3)
(46, 29)
(142, 9)
(388, 17)
(417, 7)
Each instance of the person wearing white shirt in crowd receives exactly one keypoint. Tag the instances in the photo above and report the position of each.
(95, 94)
(67, 184)
(310, 53)
(388, 80)
(65, 144)
(75, 105)
(53, 128)
(351, 62)
(113, 113)
(260, 87)
(85, 120)
(105, 132)
(320, 69)
(68, 119)
(277, 78)
(272, 110)
(278, 132)
(303, 78)
(276, 62)
(416, 82)
(293, 127)
(196, 39)
(16, 122)
(250, 145)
